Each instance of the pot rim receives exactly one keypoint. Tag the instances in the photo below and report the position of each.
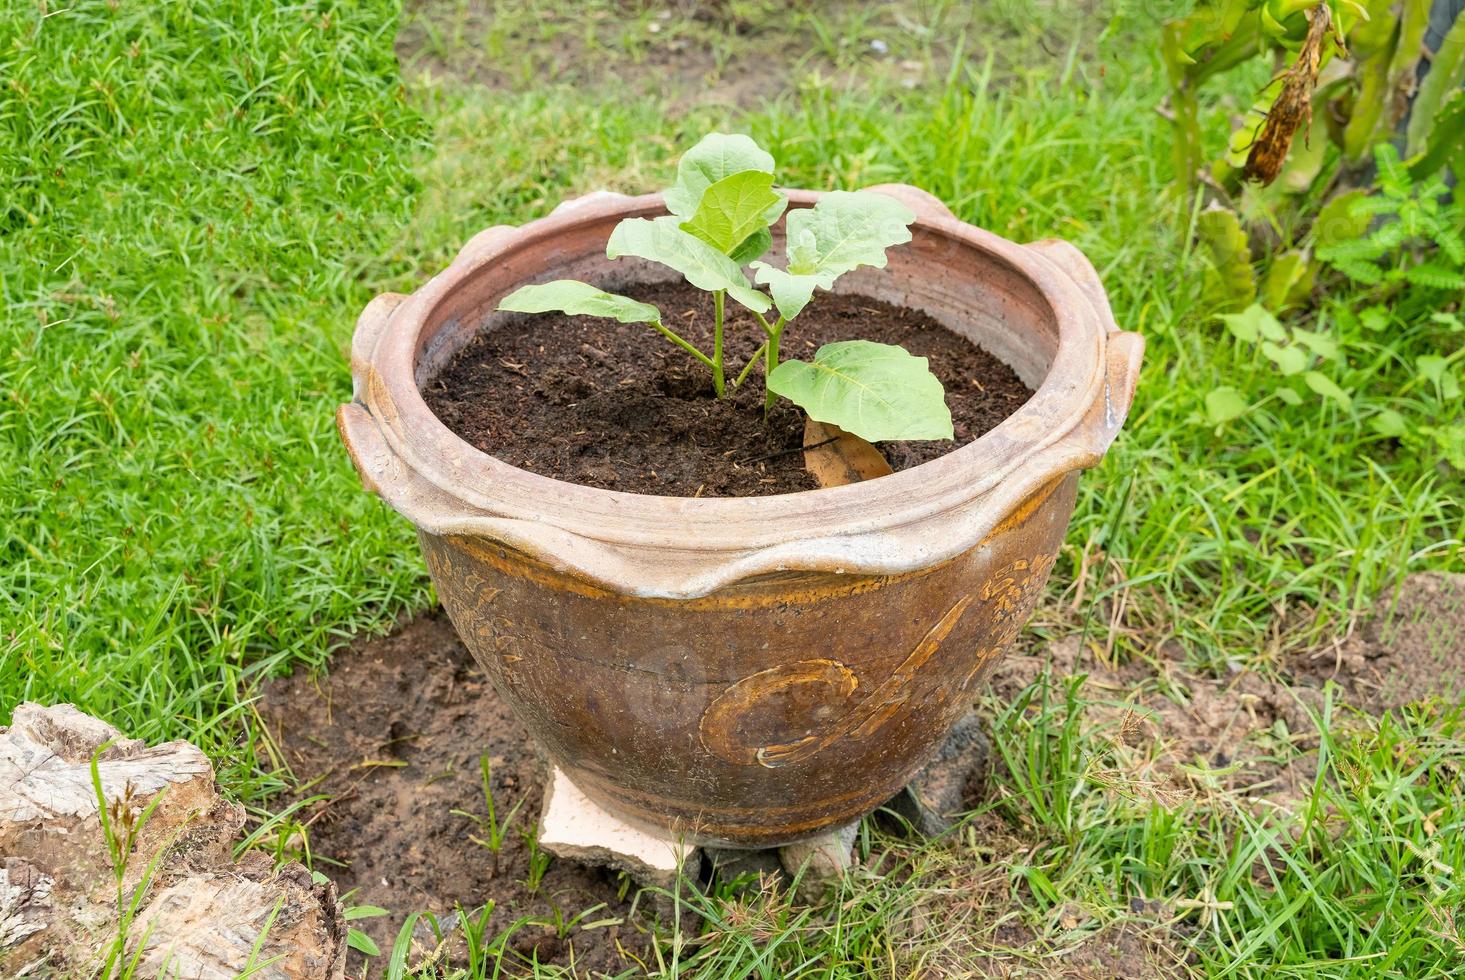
(446, 485)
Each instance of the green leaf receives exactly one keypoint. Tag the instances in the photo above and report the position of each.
(790, 293)
(845, 230)
(1252, 324)
(402, 948)
(1389, 423)
(661, 240)
(1444, 139)
(1435, 275)
(361, 942)
(1447, 238)
(1223, 405)
(1359, 271)
(716, 155)
(876, 391)
(1320, 344)
(578, 298)
(1324, 386)
(1271, 328)
(1288, 280)
(732, 210)
(1290, 360)
(1340, 220)
(1289, 396)
(1450, 440)
(1374, 317)
(1393, 179)
(1368, 104)
(1445, 76)
(753, 247)
(1230, 281)
(1436, 370)
(364, 912)
(1448, 320)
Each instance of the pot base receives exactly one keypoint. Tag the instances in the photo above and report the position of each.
(576, 828)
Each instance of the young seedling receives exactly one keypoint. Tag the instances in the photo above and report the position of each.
(355, 938)
(493, 831)
(122, 821)
(538, 860)
(723, 206)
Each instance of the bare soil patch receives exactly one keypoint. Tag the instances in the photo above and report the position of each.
(1179, 732)
(587, 49)
(612, 405)
(963, 918)
(1176, 732)
(393, 737)
(1412, 648)
(693, 53)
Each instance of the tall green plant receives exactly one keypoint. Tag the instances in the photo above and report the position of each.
(1346, 71)
(1339, 102)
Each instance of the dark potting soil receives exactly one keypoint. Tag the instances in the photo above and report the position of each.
(615, 406)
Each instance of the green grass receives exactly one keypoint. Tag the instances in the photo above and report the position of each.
(1362, 877)
(198, 198)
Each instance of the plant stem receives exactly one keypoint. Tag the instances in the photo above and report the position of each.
(719, 383)
(762, 322)
(684, 345)
(757, 356)
(770, 361)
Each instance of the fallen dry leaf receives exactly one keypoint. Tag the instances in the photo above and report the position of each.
(834, 457)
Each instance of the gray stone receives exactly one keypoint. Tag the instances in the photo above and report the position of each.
(576, 828)
(820, 862)
(728, 864)
(948, 784)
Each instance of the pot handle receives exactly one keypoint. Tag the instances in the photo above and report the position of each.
(1124, 349)
(369, 328)
(385, 474)
(369, 452)
(598, 196)
(356, 421)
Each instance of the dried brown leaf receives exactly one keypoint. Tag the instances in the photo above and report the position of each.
(1293, 109)
(834, 457)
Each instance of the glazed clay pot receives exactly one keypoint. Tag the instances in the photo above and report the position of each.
(747, 671)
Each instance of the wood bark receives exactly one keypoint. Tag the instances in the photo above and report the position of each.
(198, 913)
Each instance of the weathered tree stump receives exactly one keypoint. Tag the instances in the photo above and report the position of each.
(200, 915)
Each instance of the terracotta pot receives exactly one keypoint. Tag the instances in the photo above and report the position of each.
(747, 671)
